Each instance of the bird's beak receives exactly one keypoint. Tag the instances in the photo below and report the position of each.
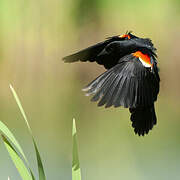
(102, 53)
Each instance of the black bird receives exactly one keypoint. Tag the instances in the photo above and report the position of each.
(131, 79)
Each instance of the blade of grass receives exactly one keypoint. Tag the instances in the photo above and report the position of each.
(4, 129)
(39, 161)
(20, 107)
(23, 171)
(76, 171)
(40, 165)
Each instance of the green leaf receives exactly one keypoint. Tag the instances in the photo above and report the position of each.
(20, 107)
(40, 165)
(76, 171)
(23, 171)
(4, 129)
(39, 161)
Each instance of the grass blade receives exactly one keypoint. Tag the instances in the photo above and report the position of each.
(4, 129)
(23, 171)
(39, 161)
(76, 171)
(20, 107)
(6, 132)
(40, 165)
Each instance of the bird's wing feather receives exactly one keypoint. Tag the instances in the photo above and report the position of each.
(127, 84)
(90, 53)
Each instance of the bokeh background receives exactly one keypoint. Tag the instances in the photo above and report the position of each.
(34, 36)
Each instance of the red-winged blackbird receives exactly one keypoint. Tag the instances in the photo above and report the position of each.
(131, 79)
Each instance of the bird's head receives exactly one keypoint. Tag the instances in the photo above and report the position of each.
(143, 43)
(128, 35)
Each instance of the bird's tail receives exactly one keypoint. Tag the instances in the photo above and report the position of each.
(143, 119)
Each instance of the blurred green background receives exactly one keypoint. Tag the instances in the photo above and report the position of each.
(34, 36)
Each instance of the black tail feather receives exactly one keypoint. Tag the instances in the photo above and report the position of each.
(143, 119)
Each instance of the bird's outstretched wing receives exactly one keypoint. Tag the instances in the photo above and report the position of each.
(132, 85)
(90, 53)
(127, 84)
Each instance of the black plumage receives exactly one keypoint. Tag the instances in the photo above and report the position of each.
(131, 79)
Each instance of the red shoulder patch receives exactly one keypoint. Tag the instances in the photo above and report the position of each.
(125, 35)
(144, 58)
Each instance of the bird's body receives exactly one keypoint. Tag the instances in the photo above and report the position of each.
(131, 79)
